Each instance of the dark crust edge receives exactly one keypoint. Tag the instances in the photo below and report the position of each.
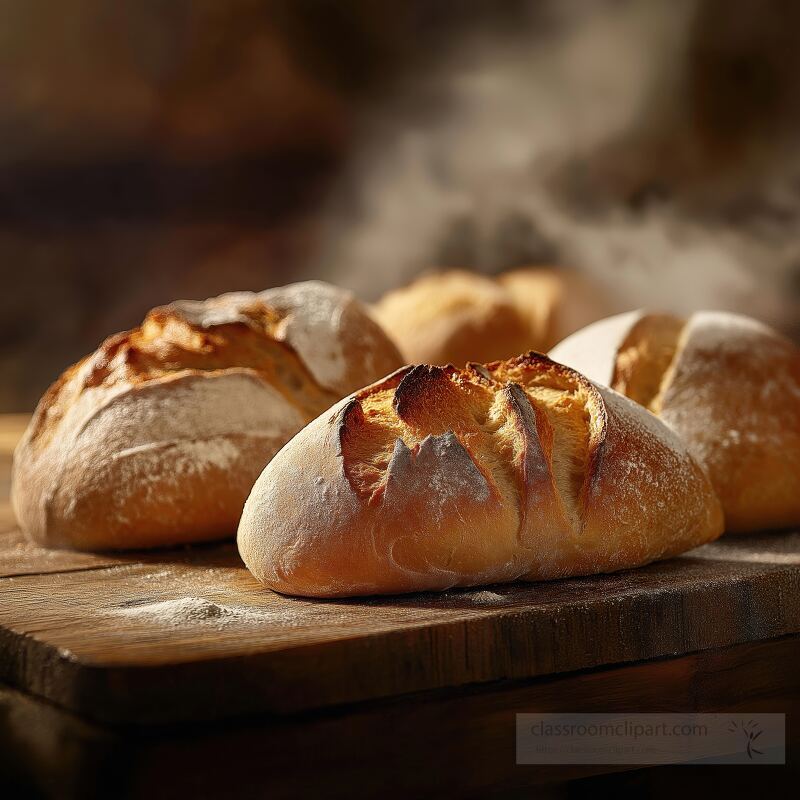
(343, 422)
(416, 383)
(351, 414)
(390, 381)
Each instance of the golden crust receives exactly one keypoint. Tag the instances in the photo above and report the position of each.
(168, 344)
(157, 437)
(438, 477)
(457, 316)
(453, 317)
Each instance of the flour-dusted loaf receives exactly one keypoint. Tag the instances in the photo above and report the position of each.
(456, 316)
(727, 384)
(439, 477)
(157, 437)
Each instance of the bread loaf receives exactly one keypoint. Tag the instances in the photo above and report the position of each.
(554, 303)
(157, 437)
(439, 477)
(456, 316)
(728, 385)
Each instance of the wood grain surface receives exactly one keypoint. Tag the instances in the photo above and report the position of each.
(449, 743)
(183, 635)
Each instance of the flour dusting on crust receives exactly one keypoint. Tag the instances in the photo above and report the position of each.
(438, 475)
(642, 495)
(312, 325)
(227, 309)
(725, 391)
(161, 434)
(154, 437)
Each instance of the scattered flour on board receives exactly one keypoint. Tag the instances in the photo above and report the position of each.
(192, 610)
(477, 597)
(182, 612)
(486, 598)
(189, 611)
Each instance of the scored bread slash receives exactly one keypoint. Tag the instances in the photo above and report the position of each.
(437, 477)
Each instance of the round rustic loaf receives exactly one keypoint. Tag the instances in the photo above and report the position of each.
(727, 384)
(457, 316)
(157, 437)
(438, 477)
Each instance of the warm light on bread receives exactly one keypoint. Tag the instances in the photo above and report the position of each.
(439, 477)
(157, 437)
(727, 384)
(456, 316)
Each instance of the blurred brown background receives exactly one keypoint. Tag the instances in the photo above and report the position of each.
(157, 150)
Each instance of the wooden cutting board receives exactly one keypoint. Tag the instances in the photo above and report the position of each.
(188, 634)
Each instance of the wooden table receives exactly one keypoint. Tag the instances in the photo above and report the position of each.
(174, 673)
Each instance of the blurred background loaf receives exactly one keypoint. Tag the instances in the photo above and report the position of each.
(455, 316)
(154, 151)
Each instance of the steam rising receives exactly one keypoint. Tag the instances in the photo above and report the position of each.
(571, 142)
